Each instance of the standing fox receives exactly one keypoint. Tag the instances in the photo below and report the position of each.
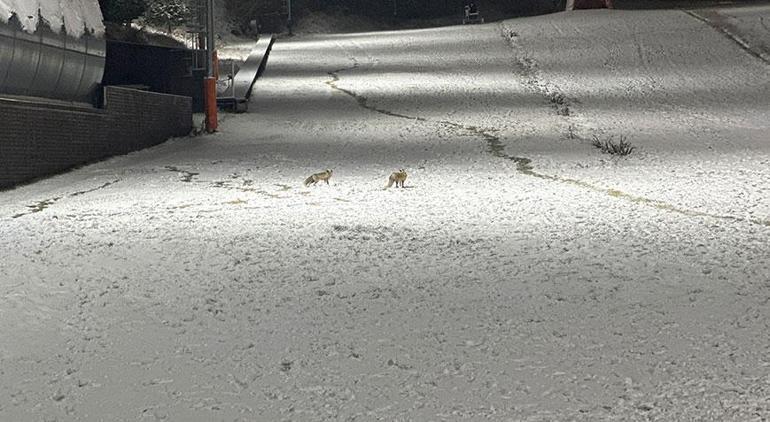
(324, 175)
(397, 177)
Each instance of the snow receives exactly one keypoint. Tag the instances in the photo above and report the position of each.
(200, 280)
(747, 24)
(634, 87)
(325, 23)
(75, 15)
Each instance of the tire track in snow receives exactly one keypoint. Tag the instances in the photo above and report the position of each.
(523, 164)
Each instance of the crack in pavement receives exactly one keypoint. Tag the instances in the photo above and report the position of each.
(83, 192)
(726, 31)
(42, 205)
(523, 164)
(185, 176)
(360, 99)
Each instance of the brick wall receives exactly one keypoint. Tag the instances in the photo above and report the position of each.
(40, 139)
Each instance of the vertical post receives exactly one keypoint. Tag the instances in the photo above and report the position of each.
(210, 84)
(289, 22)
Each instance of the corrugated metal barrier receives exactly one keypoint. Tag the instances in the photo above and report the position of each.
(49, 64)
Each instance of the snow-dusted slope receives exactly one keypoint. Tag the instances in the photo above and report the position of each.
(694, 103)
(75, 15)
(200, 280)
(749, 25)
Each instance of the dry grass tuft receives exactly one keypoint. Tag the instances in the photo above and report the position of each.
(609, 146)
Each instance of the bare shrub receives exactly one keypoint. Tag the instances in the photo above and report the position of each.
(560, 103)
(609, 146)
(557, 98)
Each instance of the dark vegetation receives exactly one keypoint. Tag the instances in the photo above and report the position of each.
(118, 14)
(271, 15)
(612, 147)
(122, 11)
(158, 12)
(249, 16)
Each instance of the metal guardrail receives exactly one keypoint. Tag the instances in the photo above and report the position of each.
(237, 91)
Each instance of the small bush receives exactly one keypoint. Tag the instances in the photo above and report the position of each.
(560, 103)
(609, 146)
(557, 98)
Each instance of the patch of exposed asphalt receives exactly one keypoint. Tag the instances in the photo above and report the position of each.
(246, 185)
(184, 175)
(524, 165)
(44, 204)
(83, 192)
(38, 206)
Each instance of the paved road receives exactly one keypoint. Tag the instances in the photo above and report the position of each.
(522, 275)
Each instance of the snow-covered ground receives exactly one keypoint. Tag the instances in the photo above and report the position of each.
(748, 25)
(75, 15)
(200, 280)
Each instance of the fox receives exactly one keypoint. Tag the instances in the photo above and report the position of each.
(315, 178)
(397, 177)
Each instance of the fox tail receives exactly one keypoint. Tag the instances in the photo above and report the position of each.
(309, 180)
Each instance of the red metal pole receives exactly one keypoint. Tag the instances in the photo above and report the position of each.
(210, 101)
(210, 83)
